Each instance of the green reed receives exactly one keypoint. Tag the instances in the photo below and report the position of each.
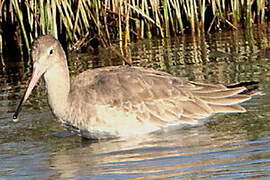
(78, 21)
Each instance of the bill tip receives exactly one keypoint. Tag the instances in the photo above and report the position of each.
(15, 118)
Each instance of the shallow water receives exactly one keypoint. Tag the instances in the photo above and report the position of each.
(228, 146)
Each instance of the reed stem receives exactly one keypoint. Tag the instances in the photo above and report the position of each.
(124, 20)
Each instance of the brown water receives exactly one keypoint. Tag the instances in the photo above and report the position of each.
(228, 146)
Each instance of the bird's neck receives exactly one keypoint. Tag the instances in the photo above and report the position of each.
(58, 87)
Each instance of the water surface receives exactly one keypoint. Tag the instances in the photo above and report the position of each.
(227, 146)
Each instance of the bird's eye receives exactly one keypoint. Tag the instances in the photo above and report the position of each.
(51, 51)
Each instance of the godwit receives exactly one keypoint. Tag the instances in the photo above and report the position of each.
(122, 100)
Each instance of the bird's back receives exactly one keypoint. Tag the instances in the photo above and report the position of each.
(122, 96)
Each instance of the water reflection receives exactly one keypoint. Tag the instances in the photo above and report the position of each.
(198, 153)
(230, 145)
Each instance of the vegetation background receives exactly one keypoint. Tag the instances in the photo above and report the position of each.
(79, 23)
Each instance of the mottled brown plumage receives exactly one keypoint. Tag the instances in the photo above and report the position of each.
(122, 100)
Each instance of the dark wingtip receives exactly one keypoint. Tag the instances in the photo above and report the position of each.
(241, 84)
(251, 87)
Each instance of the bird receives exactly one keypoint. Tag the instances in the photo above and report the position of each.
(123, 101)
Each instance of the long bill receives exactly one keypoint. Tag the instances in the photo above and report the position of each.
(38, 71)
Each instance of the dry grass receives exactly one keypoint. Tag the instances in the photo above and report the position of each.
(78, 21)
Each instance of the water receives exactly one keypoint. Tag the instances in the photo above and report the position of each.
(228, 146)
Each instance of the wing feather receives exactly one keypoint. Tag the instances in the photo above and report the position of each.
(160, 98)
